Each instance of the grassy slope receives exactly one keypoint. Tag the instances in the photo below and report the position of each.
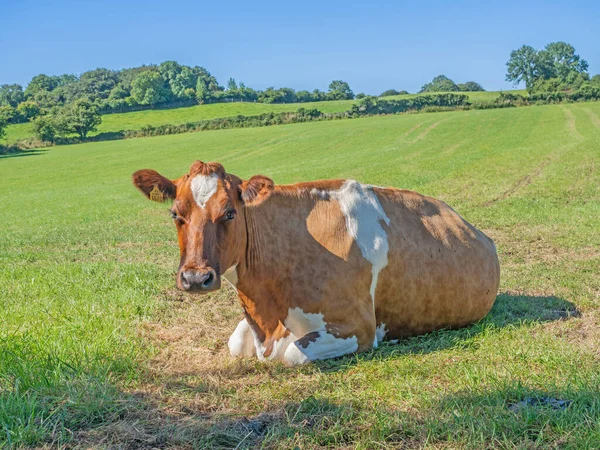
(90, 316)
(139, 119)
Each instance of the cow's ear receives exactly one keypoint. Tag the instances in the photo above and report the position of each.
(154, 186)
(256, 190)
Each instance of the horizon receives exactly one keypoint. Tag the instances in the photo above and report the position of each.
(278, 46)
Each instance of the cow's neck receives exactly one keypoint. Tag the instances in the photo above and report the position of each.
(263, 271)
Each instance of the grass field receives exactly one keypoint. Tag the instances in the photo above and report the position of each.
(156, 117)
(97, 348)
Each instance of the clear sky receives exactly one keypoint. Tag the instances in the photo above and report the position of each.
(374, 45)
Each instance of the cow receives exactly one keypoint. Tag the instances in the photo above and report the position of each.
(325, 268)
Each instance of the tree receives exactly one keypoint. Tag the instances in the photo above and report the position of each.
(118, 92)
(304, 96)
(339, 90)
(65, 79)
(562, 60)
(441, 83)
(595, 79)
(246, 94)
(80, 117)
(45, 128)
(3, 124)
(126, 76)
(169, 70)
(232, 92)
(389, 92)
(177, 78)
(556, 60)
(231, 85)
(97, 83)
(28, 110)
(45, 100)
(318, 95)
(524, 66)
(184, 83)
(148, 89)
(470, 86)
(41, 82)
(11, 95)
(202, 92)
(8, 114)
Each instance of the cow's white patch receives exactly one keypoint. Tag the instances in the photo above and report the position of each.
(364, 215)
(380, 333)
(204, 187)
(278, 349)
(231, 276)
(280, 346)
(326, 344)
(301, 323)
(241, 342)
(324, 347)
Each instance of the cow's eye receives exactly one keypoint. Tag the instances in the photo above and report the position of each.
(230, 214)
(176, 217)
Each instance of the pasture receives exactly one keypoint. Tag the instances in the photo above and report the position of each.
(176, 116)
(97, 348)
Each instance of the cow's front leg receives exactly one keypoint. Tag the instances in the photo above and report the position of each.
(317, 345)
(241, 342)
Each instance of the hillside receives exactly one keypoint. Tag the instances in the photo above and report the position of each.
(103, 344)
(139, 119)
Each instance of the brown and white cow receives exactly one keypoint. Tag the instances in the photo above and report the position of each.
(326, 268)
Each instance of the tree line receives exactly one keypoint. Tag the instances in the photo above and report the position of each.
(168, 83)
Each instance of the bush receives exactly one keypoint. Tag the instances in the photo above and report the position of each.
(391, 92)
(585, 93)
(470, 86)
(374, 105)
(45, 128)
(510, 99)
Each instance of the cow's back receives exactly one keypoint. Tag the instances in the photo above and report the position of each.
(441, 273)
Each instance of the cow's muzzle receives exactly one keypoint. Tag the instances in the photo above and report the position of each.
(199, 280)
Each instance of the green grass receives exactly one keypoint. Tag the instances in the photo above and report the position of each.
(156, 117)
(97, 348)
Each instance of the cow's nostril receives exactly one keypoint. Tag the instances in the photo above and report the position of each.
(208, 280)
(186, 282)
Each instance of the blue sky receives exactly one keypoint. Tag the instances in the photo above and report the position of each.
(374, 45)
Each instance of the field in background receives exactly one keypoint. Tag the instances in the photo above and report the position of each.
(176, 116)
(98, 348)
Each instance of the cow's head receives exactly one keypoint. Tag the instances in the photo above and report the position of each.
(209, 213)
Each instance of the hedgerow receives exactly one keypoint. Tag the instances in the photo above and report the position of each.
(368, 106)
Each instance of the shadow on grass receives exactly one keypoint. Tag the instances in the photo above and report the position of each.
(508, 310)
(476, 419)
(17, 153)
